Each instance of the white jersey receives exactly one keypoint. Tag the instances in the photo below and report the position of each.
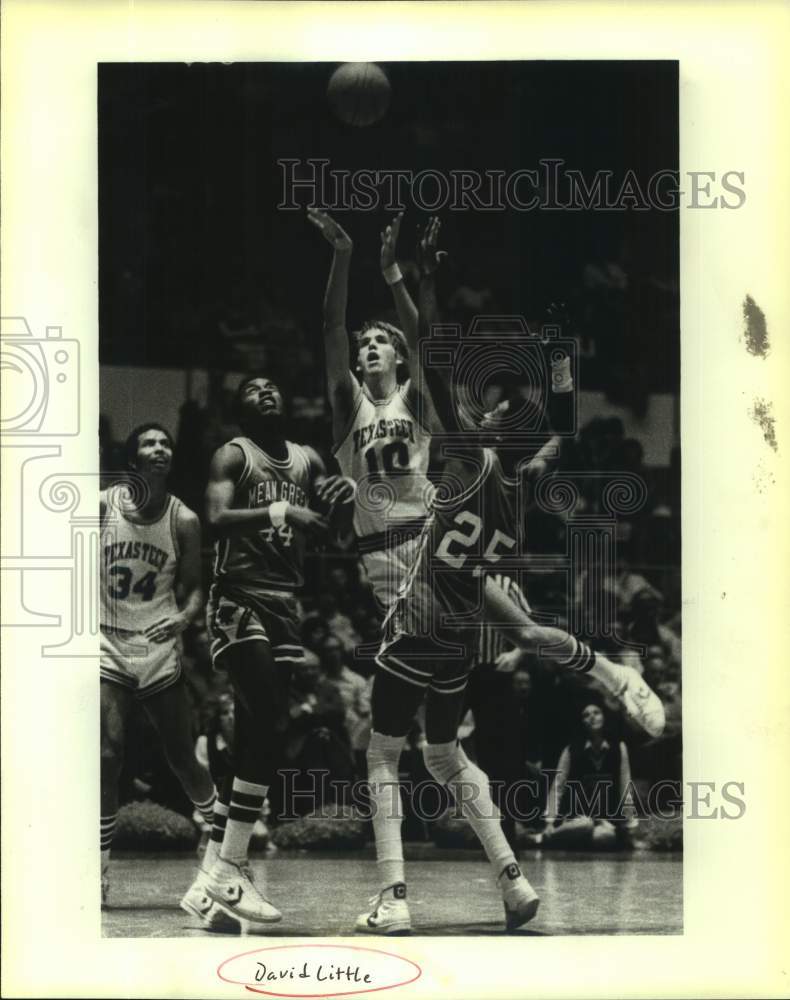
(138, 564)
(385, 450)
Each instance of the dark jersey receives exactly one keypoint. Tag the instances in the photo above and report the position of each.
(472, 527)
(268, 559)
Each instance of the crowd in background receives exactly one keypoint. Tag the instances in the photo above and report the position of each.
(200, 267)
(524, 720)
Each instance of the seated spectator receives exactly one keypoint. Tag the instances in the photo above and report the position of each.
(588, 804)
(661, 759)
(314, 631)
(317, 744)
(214, 746)
(643, 626)
(355, 692)
(338, 623)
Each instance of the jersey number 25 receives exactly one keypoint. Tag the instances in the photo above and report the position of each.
(473, 526)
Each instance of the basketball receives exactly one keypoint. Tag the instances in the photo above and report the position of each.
(359, 93)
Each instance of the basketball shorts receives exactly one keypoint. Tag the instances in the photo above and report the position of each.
(134, 662)
(439, 663)
(387, 569)
(272, 617)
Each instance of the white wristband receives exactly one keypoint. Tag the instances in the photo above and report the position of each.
(277, 512)
(392, 274)
(561, 377)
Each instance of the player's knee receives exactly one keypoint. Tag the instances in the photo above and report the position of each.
(444, 761)
(384, 750)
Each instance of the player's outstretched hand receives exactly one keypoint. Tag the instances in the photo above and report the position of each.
(332, 231)
(166, 628)
(428, 257)
(335, 489)
(389, 241)
(314, 525)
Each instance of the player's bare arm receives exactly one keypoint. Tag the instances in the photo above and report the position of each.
(341, 384)
(429, 259)
(407, 310)
(189, 578)
(224, 473)
(418, 395)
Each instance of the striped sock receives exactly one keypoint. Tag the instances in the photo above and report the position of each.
(206, 809)
(108, 824)
(246, 802)
(217, 834)
(581, 658)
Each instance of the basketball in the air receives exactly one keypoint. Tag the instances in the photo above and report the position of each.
(359, 93)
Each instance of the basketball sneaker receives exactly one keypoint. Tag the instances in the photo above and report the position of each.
(520, 899)
(388, 913)
(198, 903)
(640, 704)
(232, 887)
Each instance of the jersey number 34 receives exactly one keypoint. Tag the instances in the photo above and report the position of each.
(121, 586)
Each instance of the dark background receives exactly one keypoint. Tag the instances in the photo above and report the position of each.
(190, 233)
(199, 269)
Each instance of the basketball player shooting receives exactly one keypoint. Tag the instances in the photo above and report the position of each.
(381, 421)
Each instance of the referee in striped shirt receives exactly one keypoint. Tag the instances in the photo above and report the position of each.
(492, 643)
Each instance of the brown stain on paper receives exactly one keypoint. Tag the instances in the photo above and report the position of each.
(762, 415)
(755, 331)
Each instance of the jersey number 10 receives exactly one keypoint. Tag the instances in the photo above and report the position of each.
(394, 460)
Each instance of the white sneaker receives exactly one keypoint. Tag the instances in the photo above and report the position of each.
(520, 899)
(641, 705)
(198, 903)
(388, 913)
(231, 886)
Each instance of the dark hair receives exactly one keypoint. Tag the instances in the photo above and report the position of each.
(133, 441)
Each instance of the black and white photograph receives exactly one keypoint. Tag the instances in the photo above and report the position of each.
(393, 430)
(392, 354)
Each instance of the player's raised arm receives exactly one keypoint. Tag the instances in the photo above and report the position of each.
(420, 401)
(340, 382)
(407, 310)
(225, 472)
(429, 259)
(189, 577)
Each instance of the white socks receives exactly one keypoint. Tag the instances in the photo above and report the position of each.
(383, 757)
(450, 766)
